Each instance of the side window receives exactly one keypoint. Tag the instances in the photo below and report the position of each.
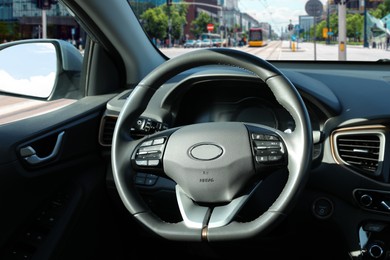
(41, 56)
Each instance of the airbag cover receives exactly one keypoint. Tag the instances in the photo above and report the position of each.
(211, 162)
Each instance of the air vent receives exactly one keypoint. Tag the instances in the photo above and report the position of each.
(107, 130)
(361, 150)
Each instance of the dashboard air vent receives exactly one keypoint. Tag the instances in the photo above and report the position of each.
(107, 130)
(361, 151)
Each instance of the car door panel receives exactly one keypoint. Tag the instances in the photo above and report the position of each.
(46, 198)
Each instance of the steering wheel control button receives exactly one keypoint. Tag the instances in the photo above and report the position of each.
(141, 162)
(150, 179)
(261, 159)
(149, 153)
(153, 162)
(274, 158)
(139, 180)
(323, 208)
(145, 179)
(268, 149)
(264, 145)
(147, 143)
(158, 141)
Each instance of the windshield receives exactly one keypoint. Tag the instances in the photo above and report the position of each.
(337, 30)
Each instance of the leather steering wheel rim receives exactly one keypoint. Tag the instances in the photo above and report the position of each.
(298, 145)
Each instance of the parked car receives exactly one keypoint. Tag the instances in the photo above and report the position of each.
(190, 43)
(214, 153)
(203, 43)
(198, 43)
(216, 42)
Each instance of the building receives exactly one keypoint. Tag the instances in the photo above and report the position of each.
(22, 19)
(247, 21)
(305, 23)
(211, 7)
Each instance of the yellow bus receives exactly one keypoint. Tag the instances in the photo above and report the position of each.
(258, 37)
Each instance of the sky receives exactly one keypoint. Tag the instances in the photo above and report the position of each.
(276, 12)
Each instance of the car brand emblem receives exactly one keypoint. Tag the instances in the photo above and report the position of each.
(206, 152)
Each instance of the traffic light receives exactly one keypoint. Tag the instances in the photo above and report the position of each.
(336, 2)
(44, 4)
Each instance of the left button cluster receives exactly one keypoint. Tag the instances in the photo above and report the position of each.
(149, 153)
(145, 179)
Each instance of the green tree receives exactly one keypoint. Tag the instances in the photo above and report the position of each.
(3, 31)
(199, 25)
(177, 16)
(380, 12)
(355, 26)
(387, 5)
(9, 31)
(155, 22)
(319, 29)
(333, 27)
(334, 24)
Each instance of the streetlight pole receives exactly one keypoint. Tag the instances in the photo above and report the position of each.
(342, 30)
(328, 25)
(169, 3)
(44, 24)
(365, 43)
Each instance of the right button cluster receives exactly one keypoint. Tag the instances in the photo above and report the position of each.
(267, 148)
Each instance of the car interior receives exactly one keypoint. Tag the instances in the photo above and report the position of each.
(212, 154)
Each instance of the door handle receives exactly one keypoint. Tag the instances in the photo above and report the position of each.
(31, 157)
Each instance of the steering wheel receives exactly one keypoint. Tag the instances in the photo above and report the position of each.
(214, 164)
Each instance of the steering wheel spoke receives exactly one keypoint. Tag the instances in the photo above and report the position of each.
(200, 216)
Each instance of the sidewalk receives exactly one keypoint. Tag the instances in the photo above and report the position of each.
(287, 46)
(330, 52)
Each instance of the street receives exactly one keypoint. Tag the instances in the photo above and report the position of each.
(281, 50)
